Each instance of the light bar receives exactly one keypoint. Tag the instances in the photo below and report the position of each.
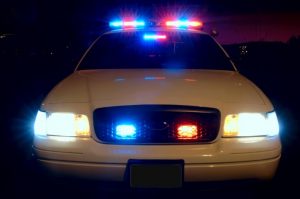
(180, 23)
(154, 78)
(154, 37)
(124, 24)
(125, 132)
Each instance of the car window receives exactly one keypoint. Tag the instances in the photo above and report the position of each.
(177, 50)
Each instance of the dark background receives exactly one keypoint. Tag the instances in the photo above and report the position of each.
(41, 42)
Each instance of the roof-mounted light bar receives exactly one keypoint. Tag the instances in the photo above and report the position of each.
(121, 24)
(127, 24)
(184, 23)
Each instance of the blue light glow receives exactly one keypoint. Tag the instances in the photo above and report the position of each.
(119, 79)
(149, 78)
(154, 78)
(116, 24)
(184, 23)
(125, 132)
(121, 24)
(154, 37)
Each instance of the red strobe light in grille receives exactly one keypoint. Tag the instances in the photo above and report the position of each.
(187, 132)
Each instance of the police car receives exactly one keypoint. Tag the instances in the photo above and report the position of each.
(157, 105)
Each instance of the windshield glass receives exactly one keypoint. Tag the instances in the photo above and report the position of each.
(179, 50)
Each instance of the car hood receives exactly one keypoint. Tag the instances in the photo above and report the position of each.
(113, 87)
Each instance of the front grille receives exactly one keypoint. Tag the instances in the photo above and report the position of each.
(156, 124)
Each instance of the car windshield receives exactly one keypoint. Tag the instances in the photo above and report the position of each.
(179, 50)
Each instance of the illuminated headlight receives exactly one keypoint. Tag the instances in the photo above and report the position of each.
(251, 124)
(61, 124)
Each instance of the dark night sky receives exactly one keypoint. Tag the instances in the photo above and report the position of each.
(67, 18)
(45, 28)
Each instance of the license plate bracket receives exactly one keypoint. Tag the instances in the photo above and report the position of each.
(156, 173)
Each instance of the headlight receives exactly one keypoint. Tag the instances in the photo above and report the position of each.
(251, 124)
(61, 124)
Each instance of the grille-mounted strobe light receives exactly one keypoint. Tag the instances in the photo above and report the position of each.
(125, 132)
(187, 132)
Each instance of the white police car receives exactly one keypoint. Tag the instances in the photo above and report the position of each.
(157, 106)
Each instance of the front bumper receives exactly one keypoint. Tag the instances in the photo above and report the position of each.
(263, 169)
(225, 159)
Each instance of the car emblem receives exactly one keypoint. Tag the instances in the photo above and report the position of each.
(157, 126)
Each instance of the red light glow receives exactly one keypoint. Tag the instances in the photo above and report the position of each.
(180, 23)
(120, 24)
(187, 132)
(129, 23)
(196, 23)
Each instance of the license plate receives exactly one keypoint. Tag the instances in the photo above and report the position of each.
(156, 174)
